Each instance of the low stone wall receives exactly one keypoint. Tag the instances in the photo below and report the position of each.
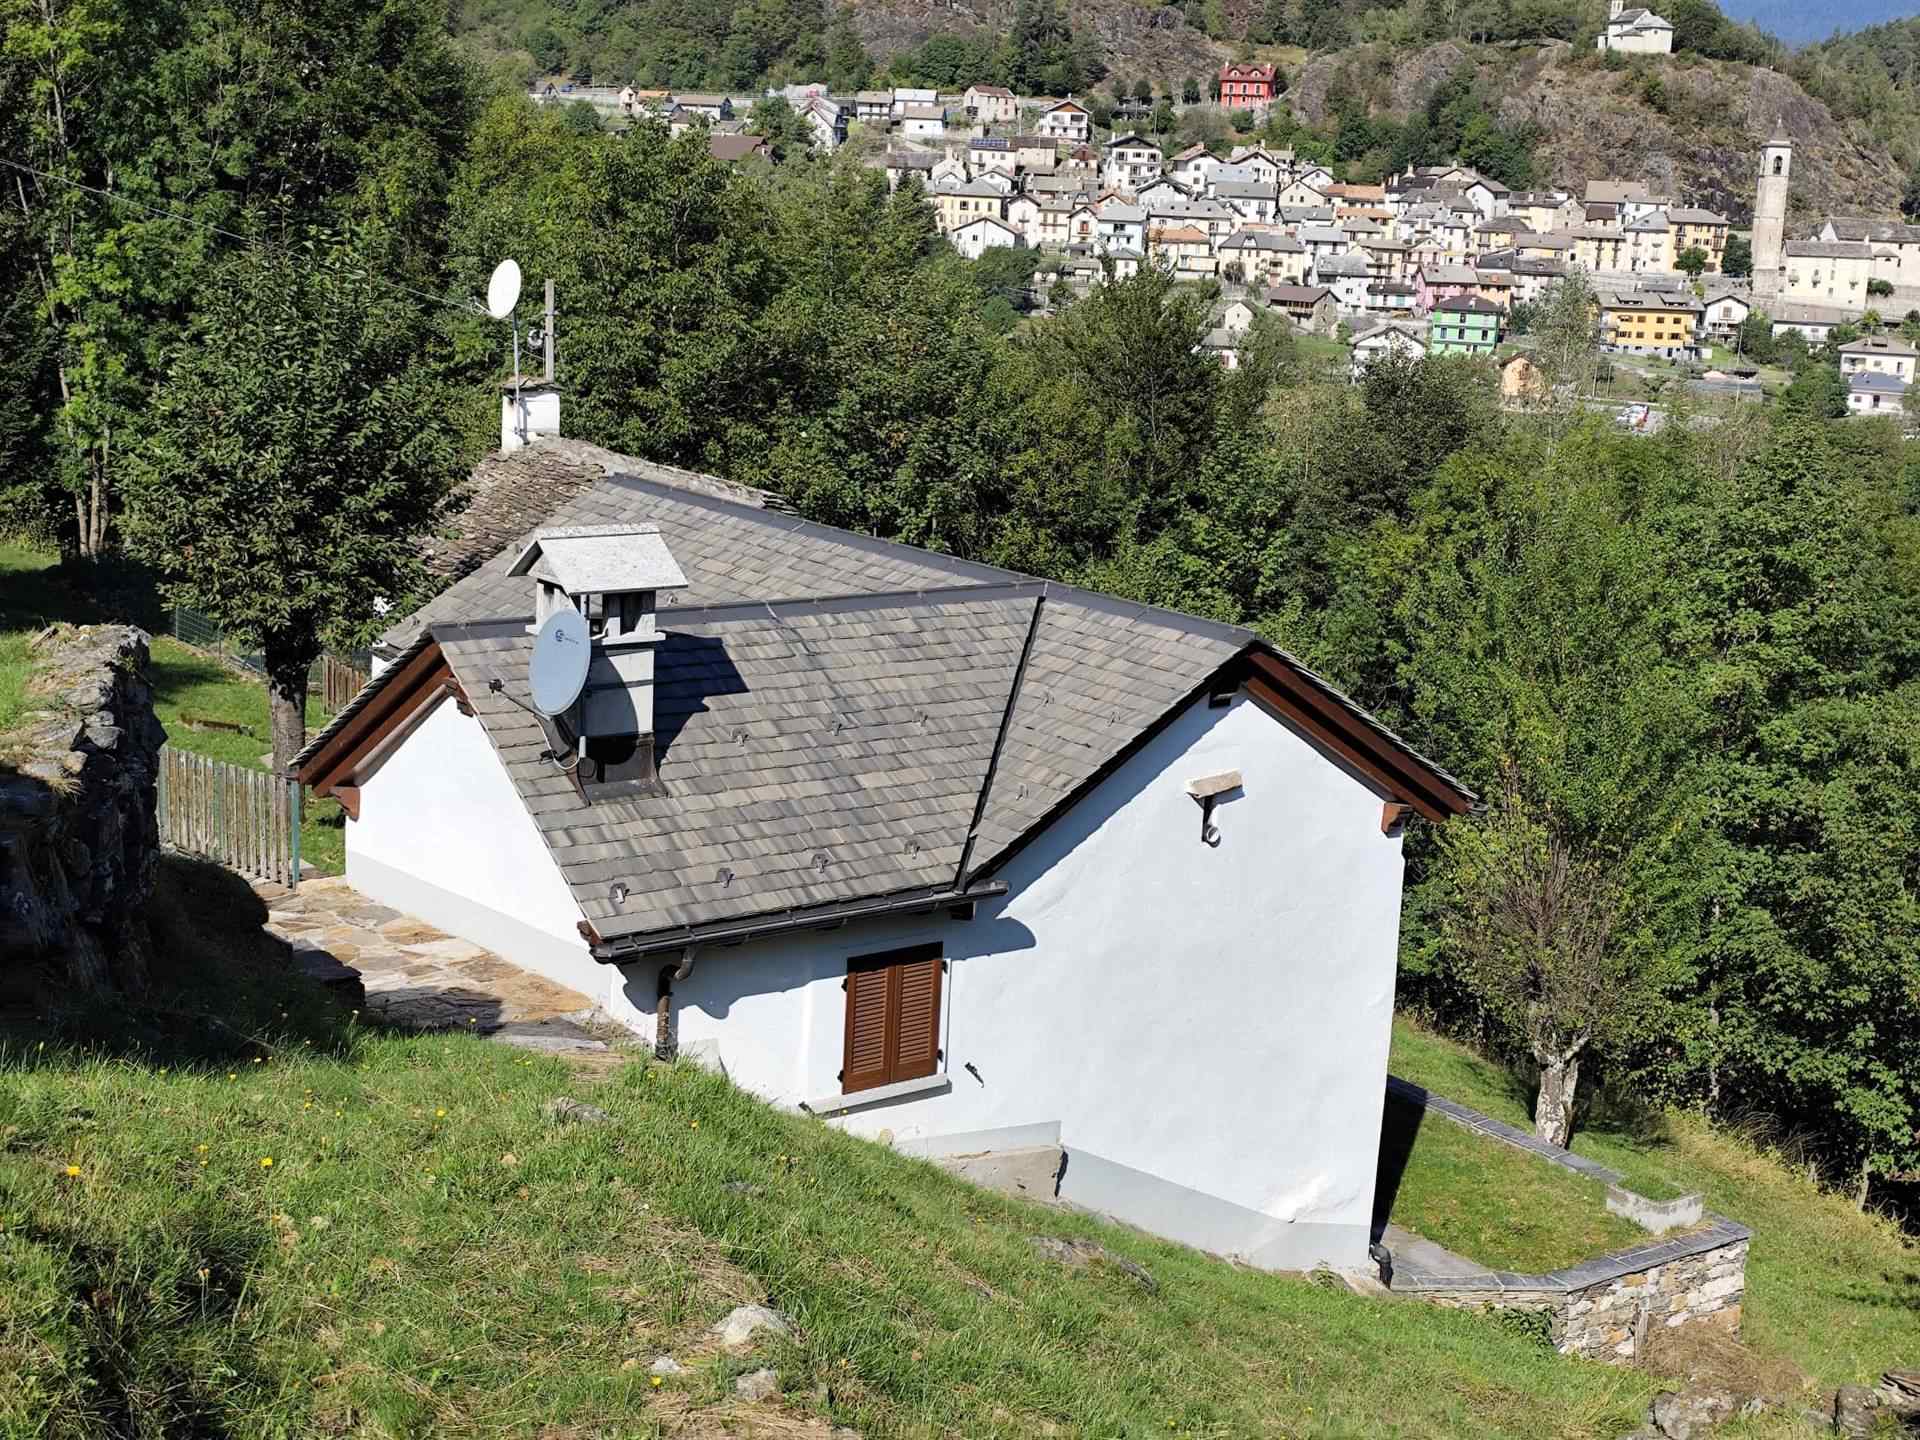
(78, 843)
(1605, 1307)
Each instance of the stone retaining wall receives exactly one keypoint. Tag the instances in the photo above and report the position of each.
(1605, 1307)
(78, 843)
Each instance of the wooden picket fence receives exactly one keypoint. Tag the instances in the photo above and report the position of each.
(247, 820)
(340, 681)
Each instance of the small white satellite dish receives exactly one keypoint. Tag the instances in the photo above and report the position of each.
(557, 673)
(503, 290)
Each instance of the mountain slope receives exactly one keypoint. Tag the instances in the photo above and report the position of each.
(1691, 127)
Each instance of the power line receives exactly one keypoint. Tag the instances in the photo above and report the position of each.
(468, 306)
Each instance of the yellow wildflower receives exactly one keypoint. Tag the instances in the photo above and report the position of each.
(266, 1162)
(73, 1169)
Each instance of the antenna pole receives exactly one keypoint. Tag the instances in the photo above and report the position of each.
(519, 409)
(549, 332)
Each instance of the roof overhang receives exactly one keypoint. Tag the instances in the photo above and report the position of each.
(375, 720)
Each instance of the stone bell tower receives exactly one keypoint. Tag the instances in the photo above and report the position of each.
(1770, 211)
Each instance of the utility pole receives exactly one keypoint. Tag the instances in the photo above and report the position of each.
(549, 375)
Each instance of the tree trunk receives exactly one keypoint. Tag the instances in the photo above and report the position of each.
(1553, 1112)
(287, 706)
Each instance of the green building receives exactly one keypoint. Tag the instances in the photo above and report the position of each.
(1464, 327)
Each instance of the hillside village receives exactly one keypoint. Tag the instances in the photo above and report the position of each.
(1440, 260)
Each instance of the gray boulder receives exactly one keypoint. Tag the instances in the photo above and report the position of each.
(563, 1110)
(1690, 1414)
(664, 1365)
(1077, 1254)
(743, 1322)
(757, 1385)
(1853, 1410)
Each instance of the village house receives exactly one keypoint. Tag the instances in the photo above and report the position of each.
(1253, 163)
(976, 237)
(1223, 345)
(1125, 262)
(1726, 311)
(1521, 381)
(1083, 227)
(1309, 307)
(1878, 354)
(1249, 199)
(1262, 258)
(1495, 285)
(1696, 229)
(1036, 155)
(1245, 85)
(996, 179)
(1390, 298)
(1597, 249)
(1120, 227)
(1131, 162)
(1392, 337)
(1812, 322)
(732, 149)
(1182, 250)
(1497, 234)
(908, 843)
(919, 164)
(922, 122)
(705, 107)
(1347, 276)
(1463, 327)
(1829, 271)
(1322, 241)
(1665, 323)
(1543, 210)
(873, 107)
(1023, 214)
(907, 95)
(1631, 199)
(1433, 285)
(1299, 192)
(950, 167)
(1634, 32)
(1387, 259)
(827, 118)
(1066, 120)
(1870, 392)
(1647, 247)
(957, 203)
(1895, 246)
(985, 153)
(1192, 167)
(990, 105)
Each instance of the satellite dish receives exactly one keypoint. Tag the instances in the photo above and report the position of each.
(503, 290)
(558, 670)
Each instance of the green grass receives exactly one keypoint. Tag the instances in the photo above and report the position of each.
(1835, 1291)
(1490, 1202)
(427, 1253)
(189, 685)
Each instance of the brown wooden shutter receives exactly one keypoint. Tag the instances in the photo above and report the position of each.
(893, 1017)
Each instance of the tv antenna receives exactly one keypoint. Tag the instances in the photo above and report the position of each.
(557, 672)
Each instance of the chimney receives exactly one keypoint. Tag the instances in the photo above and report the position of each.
(528, 410)
(613, 575)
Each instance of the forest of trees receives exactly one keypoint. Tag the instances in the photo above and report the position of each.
(1683, 671)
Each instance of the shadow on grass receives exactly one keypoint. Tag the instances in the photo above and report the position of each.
(1900, 1291)
(82, 592)
(219, 988)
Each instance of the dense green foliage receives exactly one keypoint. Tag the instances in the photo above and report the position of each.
(1682, 669)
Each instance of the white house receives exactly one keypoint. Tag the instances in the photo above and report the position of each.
(1023, 213)
(1390, 337)
(1878, 355)
(1727, 311)
(1636, 32)
(946, 855)
(1131, 162)
(1192, 167)
(906, 95)
(922, 122)
(979, 236)
(1872, 392)
(1067, 120)
(1120, 227)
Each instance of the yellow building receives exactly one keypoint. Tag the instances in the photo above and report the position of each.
(1698, 229)
(1649, 324)
(957, 203)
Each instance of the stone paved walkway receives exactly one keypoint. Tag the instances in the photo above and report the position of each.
(417, 977)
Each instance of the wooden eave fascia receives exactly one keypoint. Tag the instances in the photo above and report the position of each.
(1284, 692)
(420, 681)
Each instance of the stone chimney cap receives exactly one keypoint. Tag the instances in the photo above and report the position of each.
(602, 559)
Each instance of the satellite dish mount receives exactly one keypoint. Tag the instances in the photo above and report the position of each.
(503, 294)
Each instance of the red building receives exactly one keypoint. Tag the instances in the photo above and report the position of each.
(1246, 86)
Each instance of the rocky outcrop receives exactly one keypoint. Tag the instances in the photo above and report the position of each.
(78, 840)
(1150, 41)
(1690, 127)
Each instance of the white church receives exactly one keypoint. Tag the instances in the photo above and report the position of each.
(1635, 32)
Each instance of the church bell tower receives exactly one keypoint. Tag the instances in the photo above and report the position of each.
(1770, 211)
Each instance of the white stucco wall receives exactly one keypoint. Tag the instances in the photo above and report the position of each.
(443, 836)
(1207, 1027)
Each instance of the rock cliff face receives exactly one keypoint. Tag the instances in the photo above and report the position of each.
(1136, 40)
(1691, 127)
(78, 841)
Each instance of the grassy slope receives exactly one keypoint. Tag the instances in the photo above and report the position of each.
(481, 1270)
(188, 684)
(1491, 1202)
(1837, 1291)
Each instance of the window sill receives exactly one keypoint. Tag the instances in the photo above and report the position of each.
(900, 1090)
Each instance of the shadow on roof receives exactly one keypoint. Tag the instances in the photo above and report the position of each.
(692, 669)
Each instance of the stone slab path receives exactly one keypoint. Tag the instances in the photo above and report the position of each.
(416, 977)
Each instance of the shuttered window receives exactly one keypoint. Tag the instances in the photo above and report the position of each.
(893, 1017)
